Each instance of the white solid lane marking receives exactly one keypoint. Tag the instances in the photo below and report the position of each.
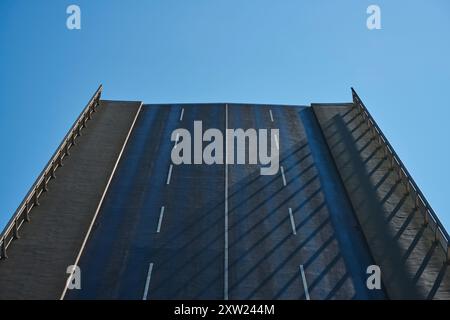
(225, 277)
(147, 282)
(305, 285)
(80, 252)
(161, 214)
(282, 174)
(182, 113)
(276, 142)
(169, 175)
(271, 115)
(292, 221)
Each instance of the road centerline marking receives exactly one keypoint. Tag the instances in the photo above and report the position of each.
(169, 175)
(161, 215)
(283, 176)
(225, 277)
(147, 282)
(305, 284)
(182, 113)
(271, 115)
(294, 231)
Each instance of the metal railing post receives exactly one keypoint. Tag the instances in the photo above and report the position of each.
(45, 184)
(16, 229)
(60, 160)
(436, 234)
(448, 253)
(73, 139)
(36, 197)
(66, 149)
(53, 170)
(27, 212)
(3, 254)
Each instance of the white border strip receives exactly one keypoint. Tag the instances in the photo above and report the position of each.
(101, 200)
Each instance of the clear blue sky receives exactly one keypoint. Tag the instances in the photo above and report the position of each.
(287, 52)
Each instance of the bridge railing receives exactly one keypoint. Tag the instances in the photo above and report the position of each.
(22, 214)
(421, 203)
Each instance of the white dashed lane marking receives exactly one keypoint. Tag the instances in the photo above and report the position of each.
(147, 282)
(182, 113)
(169, 175)
(305, 284)
(283, 176)
(161, 215)
(294, 231)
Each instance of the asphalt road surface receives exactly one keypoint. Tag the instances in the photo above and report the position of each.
(224, 231)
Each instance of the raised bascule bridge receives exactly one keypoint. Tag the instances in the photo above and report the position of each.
(112, 202)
